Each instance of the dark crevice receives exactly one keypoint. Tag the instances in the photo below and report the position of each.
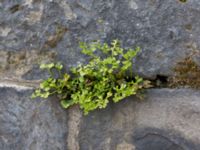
(183, 1)
(15, 8)
(161, 81)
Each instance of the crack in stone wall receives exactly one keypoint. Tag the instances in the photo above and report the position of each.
(74, 128)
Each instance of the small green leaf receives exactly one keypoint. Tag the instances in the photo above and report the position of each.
(43, 66)
(51, 65)
(33, 95)
(58, 66)
(66, 103)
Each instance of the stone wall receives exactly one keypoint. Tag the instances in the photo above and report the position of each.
(40, 31)
(167, 119)
(36, 31)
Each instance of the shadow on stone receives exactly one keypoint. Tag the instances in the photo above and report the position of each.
(158, 139)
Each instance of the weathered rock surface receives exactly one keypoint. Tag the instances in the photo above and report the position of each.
(167, 119)
(39, 31)
(27, 124)
(166, 31)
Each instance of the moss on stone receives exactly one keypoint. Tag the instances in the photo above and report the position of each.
(187, 73)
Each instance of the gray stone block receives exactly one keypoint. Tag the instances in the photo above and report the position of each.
(167, 31)
(167, 119)
(27, 124)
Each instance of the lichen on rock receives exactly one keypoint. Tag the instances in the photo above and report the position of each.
(187, 73)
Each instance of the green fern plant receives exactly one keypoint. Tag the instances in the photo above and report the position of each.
(91, 86)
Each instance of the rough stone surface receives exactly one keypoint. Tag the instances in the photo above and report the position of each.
(167, 31)
(27, 124)
(40, 31)
(16, 64)
(165, 120)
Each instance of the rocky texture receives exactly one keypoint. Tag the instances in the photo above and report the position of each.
(15, 64)
(40, 31)
(167, 31)
(167, 119)
(74, 126)
(27, 124)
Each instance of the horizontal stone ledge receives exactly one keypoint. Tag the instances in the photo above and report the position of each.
(18, 84)
(164, 119)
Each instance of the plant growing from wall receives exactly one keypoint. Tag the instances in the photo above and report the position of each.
(91, 86)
